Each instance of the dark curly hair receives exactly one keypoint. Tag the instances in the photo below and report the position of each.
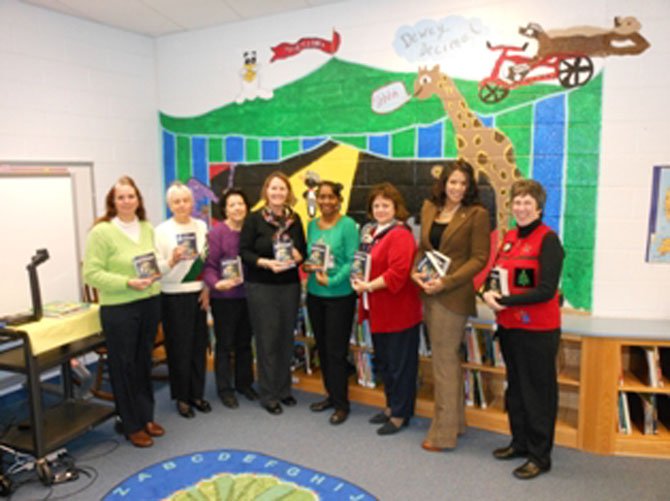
(336, 187)
(438, 195)
(223, 200)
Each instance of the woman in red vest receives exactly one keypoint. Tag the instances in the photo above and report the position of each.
(529, 325)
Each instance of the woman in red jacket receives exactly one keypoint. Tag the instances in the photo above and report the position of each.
(390, 302)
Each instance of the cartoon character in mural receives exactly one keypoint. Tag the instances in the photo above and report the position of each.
(564, 54)
(312, 180)
(203, 197)
(251, 83)
(487, 149)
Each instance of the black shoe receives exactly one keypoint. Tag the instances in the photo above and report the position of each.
(273, 408)
(379, 418)
(202, 405)
(338, 417)
(289, 401)
(321, 406)
(229, 401)
(185, 410)
(530, 470)
(509, 452)
(388, 428)
(249, 393)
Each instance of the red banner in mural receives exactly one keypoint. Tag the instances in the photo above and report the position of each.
(285, 50)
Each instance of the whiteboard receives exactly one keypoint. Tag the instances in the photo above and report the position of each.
(39, 211)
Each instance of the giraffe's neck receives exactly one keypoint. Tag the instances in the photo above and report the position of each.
(456, 107)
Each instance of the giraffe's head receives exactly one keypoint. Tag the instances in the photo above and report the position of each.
(426, 81)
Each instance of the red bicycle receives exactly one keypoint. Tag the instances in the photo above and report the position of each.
(571, 70)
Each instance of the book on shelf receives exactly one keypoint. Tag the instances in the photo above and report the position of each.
(146, 266)
(319, 256)
(482, 347)
(424, 341)
(469, 387)
(624, 414)
(650, 413)
(643, 412)
(644, 362)
(283, 252)
(232, 269)
(187, 241)
(301, 357)
(58, 309)
(363, 334)
(498, 281)
(433, 265)
(364, 369)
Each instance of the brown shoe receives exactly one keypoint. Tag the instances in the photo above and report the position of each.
(427, 446)
(338, 417)
(140, 439)
(154, 429)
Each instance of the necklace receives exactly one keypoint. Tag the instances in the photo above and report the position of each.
(448, 212)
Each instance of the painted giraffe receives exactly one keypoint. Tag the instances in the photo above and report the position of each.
(488, 150)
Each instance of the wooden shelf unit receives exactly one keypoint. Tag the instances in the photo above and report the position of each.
(591, 357)
(493, 418)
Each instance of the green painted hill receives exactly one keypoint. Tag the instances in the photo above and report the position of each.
(335, 99)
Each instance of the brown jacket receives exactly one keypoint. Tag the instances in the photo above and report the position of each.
(466, 241)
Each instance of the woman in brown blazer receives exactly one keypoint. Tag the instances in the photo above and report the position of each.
(453, 223)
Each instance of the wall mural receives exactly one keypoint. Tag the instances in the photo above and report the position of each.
(359, 125)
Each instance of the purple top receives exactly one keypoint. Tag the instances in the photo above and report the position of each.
(223, 243)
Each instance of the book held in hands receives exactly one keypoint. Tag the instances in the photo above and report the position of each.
(187, 241)
(498, 281)
(283, 252)
(360, 267)
(231, 269)
(433, 265)
(146, 266)
(319, 256)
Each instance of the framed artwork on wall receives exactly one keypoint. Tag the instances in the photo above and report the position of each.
(658, 237)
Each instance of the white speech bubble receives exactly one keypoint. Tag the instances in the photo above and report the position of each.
(389, 98)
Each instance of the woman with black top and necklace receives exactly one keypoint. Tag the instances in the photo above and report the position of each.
(272, 245)
(453, 223)
(529, 326)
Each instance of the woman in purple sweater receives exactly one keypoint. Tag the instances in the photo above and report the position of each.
(229, 303)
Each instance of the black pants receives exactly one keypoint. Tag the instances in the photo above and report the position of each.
(273, 310)
(233, 362)
(186, 339)
(332, 320)
(130, 331)
(532, 389)
(397, 360)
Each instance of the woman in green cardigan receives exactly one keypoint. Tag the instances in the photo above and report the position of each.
(119, 250)
(330, 299)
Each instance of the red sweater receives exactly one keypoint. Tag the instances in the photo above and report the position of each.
(397, 306)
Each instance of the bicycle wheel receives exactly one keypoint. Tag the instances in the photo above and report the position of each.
(575, 71)
(492, 92)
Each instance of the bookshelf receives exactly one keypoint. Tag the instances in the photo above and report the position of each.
(594, 365)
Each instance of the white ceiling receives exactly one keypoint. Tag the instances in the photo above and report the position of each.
(161, 17)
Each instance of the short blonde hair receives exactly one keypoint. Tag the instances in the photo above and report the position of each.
(290, 198)
(177, 188)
